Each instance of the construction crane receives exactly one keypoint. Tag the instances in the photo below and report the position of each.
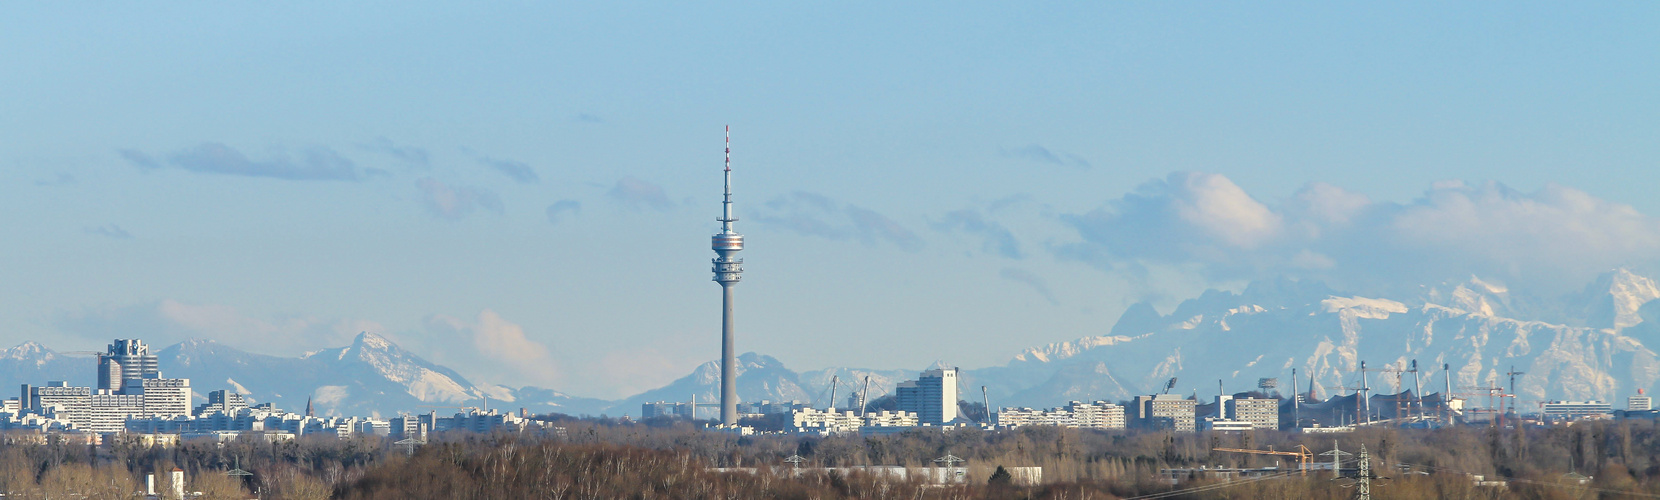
(1304, 455)
(1513, 373)
(1491, 393)
(1400, 374)
(1359, 410)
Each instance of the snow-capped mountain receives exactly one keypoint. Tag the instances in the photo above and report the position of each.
(32, 363)
(1273, 327)
(1613, 300)
(759, 378)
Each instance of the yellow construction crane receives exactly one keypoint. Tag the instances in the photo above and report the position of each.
(1304, 455)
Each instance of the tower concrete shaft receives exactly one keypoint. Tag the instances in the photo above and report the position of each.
(728, 270)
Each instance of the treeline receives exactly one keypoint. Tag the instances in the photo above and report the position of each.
(616, 459)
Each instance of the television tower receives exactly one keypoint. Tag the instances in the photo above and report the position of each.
(728, 269)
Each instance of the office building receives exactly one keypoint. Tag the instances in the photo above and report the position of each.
(1575, 410)
(124, 360)
(1640, 402)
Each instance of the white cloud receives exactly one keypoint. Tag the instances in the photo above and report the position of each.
(500, 350)
(454, 202)
(1557, 237)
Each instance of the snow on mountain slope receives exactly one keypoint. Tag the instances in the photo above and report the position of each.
(1238, 338)
(1613, 300)
(759, 378)
(372, 376)
(32, 363)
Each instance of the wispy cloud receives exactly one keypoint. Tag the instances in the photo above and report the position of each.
(411, 155)
(517, 170)
(1025, 277)
(61, 179)
(558, 208)
(1042, 154)
(995, 238)
(638, 194)
(110, 230)
(313, 164)
(454, 202)
(814, 214)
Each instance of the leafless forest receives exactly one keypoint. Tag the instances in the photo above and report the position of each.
(610, 459)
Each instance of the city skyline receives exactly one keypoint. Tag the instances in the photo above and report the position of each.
(280, 180)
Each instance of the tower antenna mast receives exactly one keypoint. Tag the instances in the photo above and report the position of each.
(728, 270)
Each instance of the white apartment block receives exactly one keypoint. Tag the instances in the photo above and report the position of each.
(1097, 415)
(810, 420)
(1260, 413)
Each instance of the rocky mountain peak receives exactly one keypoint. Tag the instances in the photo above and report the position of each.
(1614, 299)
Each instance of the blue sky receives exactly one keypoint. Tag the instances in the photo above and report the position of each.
(525, 191)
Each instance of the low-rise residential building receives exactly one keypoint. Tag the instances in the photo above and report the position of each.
(1097, 415)
(814, 421)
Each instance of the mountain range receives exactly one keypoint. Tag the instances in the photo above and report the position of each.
(1592, 344)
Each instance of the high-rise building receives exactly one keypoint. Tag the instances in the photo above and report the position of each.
(222, 401)
(728, 269)
(125, 359)
(1166, 411)
(163, 397)
(932, 396)
(69, 403)
(1262, 413)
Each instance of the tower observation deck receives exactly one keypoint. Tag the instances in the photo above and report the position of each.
(728, 270)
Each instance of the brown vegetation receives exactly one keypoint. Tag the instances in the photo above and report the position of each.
(609, 459)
